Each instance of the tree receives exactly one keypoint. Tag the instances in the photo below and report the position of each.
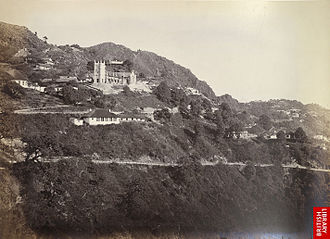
(128, 64)
(226, 112)
(234, 129)
(178, 97)
(163, 92)
(243, 116)
(90, 66)
(10, 125)
(220, 124)
(45, 38)
(196, 107)
(199, 129)
(249, 170)
(50, 90)
(72, 95)
(300, 135)
(127, 91)
(207, 106)
(265, 122)
(162, 115)
(106, 102)
(43, 135)
(183, 109)
(280, 135)
(13, 89)
(76, 46)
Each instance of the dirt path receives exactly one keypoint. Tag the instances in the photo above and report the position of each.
(51, 110)
(160, 164)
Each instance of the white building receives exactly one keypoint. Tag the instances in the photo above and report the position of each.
(115, 62)
(321, 137)
(192, 91)
(29, 85)
(246, 135)
(102, 76)
(149, 112)
(105, 117)
(78, 122)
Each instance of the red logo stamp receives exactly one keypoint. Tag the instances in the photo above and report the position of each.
(320, 223)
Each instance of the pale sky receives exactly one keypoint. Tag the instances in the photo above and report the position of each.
(253, 50)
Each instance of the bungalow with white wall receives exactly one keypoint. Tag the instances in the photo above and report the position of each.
(191, 91)
(246, 135)
(101, 117)
(106, 117)
(29, 85)
(149, 112)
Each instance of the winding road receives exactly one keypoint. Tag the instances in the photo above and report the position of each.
(160, 164)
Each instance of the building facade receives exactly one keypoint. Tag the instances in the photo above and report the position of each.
(105, 117)
(102, 76)
(29, 85)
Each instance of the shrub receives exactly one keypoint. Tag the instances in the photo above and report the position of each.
(14, 90)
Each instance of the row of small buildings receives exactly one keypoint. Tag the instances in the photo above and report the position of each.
(29, 85)
(106, 117)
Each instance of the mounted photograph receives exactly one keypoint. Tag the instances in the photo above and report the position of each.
(164, 119)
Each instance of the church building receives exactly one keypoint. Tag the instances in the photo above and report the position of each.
(104, 76)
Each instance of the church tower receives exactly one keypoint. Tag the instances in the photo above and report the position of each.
(99, 72)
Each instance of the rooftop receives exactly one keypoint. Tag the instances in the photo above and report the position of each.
(102, 113)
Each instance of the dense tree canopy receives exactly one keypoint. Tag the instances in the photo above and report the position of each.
(13, 89)
(265, 122)
(300, 135)
(163, 92)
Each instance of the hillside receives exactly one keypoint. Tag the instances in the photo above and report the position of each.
(151, 65)
(291, 114)
(72, 60)
(14, 38)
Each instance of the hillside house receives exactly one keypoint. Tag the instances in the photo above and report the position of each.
(29, 85)
(46, 65)
(192, 91)
(214, 109)
(321, 137)
(272, 136)
(106, 117)
(23, 83)
(78, 122)
(149, 112)
(116, 62)
(246, 135)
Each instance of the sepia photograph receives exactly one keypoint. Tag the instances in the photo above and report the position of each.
(172, 119)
